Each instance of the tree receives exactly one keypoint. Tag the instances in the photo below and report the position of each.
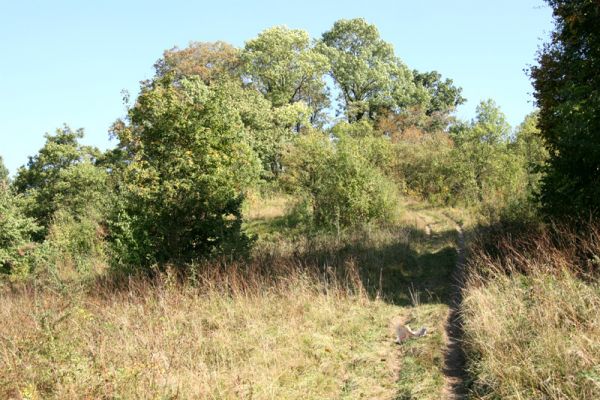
(483, 166)
(371, 79)
(210, 61)
(566, 82)
(284, 66)
(441, 101)
(3, 173)
(190, 159)
(529, 145)
(62, 175)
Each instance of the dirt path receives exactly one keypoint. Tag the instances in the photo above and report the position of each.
(454, 357)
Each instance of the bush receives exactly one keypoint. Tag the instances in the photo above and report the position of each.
(75, 245)
(189, 160)
(62, 175)
(343, 187)
(16, 231)
(423, 167)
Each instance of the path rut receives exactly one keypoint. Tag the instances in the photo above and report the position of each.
(454, 356)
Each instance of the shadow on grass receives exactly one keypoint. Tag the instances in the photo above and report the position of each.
(417, 269)
(401, 265)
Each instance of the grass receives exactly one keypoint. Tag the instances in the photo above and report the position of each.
(531, 316)
(308, 317)
(408, 265)
(292, 339)
(421, 361)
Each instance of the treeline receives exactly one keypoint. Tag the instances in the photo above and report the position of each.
(217, 121)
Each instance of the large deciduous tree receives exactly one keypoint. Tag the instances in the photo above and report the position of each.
(285, 67)
(441, 99)
(567, 82)
(371, 79)
(208, 60)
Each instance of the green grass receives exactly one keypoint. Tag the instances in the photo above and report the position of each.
(409, 265)
(421, 361)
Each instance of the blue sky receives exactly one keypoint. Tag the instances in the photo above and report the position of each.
(68, 61)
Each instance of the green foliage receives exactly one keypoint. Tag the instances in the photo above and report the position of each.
(62, 175)
(284, 66)
(359, 129)
(444, 97)
(529, 145)
(489, 171)
(16, 231)
(3, 172)
(75, 245)
(424, 168)
(190, 158)
(371, 79)
(441, 100)
(342, 185)
(566, 85)
(477, 164)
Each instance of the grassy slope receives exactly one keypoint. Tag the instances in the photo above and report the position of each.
(165, 341)
(303, 334)
(531, 322)
(414, 262)
(534, 337)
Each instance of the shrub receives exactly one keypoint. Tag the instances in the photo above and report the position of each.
(16, 231)
(343, 187)
(62, 175)
(75, 245)
(189, 161)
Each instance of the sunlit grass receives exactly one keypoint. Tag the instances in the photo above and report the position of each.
(294, 339)
(305, 318)
(531, 317)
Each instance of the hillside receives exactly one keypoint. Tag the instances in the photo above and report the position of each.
(321, 327)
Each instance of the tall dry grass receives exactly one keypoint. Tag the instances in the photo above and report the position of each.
(530, 314)
(233, 332)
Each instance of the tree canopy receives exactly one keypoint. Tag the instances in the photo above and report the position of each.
(62, 174)
(566, 82)
(370, 77)
(208, 60)
(286, 68)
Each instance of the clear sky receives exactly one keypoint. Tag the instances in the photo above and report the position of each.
(68, 61)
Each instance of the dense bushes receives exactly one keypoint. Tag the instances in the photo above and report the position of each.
(189, 160)
(479, 164)
(343, 187)
(16, 231)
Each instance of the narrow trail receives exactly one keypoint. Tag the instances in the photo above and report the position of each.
(454, 357)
